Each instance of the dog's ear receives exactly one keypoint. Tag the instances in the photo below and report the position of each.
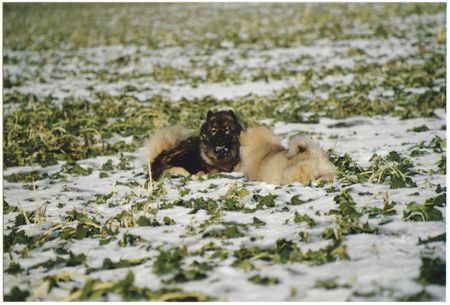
(209, 114)
(296, 148)
(301, 148)
(232, 114)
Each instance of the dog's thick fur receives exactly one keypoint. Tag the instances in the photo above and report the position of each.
(263, 158)
(162, 140)
(215, 150)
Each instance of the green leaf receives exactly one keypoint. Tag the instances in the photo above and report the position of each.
(264, 201)
(108, 264)
(432, 271)
(295, 200)
(200, 203)
(327, 284)
(24, 177)
(16, 295)
(169, 261)
(442, 165)
(440, 237)
(421, 212)
(103, 175)
(420, 128)
(304, 236)
(421, 296)
(14, 268)
(257, 279)
(298, 218)
(72, 167)
(168, 221)
(258, 222)
(147, 222)
(439, 200)
(8, 209)
(347, 206)
(231, 231)
(108, 166)
(129, 239)
(194, 272)
(287, 251)
(75, 260)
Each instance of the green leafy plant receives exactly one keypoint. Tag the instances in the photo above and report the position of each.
(261, 280)
(425, 211)
(432, 271)
(392, 169)
(298, 218)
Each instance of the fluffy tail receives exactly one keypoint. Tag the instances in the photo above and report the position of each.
(163, 139)
(259, 138)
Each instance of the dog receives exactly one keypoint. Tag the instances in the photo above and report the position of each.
(263, 158)
(174, 149)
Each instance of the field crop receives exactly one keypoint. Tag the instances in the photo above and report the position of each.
(84, 87)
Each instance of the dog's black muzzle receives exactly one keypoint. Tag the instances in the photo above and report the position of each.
(222, 152)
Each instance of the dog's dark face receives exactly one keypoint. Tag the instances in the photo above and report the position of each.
(220, 137)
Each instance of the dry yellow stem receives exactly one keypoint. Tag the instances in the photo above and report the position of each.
(24, 214)
(37, 201)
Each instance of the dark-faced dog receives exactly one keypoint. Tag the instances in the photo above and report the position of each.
(215, 150)
(219, 145)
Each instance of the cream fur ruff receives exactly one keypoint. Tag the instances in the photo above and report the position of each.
(263, 158)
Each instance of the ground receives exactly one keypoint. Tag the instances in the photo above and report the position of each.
(87, 85)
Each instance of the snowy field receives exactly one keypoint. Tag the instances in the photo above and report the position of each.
(80, 222)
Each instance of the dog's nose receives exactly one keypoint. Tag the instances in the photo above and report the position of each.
(222, 151)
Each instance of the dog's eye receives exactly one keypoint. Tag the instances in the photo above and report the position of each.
(227, 130)
(213, 131)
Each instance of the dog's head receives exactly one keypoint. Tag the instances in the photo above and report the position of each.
(220, 136)
(297, 146)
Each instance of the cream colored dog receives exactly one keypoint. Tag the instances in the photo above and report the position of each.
(263, 158)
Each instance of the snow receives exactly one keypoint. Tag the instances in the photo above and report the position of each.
(386, 263)
(82, 64)
(389, 260)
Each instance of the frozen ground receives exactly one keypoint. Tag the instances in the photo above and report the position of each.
(95, 230)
